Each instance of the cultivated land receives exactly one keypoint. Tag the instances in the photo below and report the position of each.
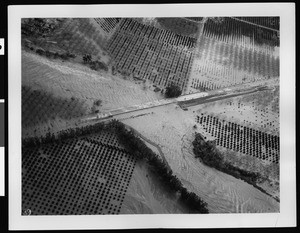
(231, 63)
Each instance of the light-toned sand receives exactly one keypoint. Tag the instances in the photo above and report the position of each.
(172, 129)
(145, 195)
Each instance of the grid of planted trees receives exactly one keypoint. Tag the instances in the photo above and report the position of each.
(80, 176)
(152, 53)
(241, 138)
(108, 24)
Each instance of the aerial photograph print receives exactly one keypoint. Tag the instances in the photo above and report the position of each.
(139, 115)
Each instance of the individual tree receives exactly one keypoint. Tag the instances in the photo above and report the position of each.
(172, 91)
(87, 58)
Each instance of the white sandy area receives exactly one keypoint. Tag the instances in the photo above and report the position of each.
(172, 129)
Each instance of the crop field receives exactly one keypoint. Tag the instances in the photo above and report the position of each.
(241, 138)
(82, 176)
(151, 53)
(108, 24)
